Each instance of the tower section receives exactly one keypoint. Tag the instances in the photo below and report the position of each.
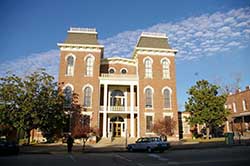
(157, 82)
(79, 70)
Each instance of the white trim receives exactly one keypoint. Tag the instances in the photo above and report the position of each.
(74, 61)
(165, 58)
(244, 105)
(154, 34)
(92, 90)
(162, 91)
(86, 63)
(82, 30)
(156, 49)
(168, 114)
(147, 57)
(118, 60)
(79, 45)
(124, 69)
(110, 69)
(148, 86)
(88, 85)
(234, 107)
(68, 84)
(89, 55)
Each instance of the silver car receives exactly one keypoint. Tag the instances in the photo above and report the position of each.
(149, 144)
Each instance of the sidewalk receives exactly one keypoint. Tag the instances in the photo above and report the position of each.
(97, 148)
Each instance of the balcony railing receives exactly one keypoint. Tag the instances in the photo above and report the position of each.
(118, 109)
(118, 75)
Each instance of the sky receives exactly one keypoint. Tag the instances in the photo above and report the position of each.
(212, 37)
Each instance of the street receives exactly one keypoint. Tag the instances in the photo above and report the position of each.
(218, 156)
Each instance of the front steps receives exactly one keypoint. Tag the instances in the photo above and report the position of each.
(116, 141)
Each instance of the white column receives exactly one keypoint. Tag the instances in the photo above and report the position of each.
(126, 101)
(227, 124)
(109, 127)
(109, 100)
(138, 111)
(132, 105)
(104, 128)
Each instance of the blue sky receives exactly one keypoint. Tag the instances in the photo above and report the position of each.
(212, 36)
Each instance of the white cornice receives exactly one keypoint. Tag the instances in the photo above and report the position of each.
(80, 47)
(156, 49)
(154, 35)
(82, 30)
(119, 60)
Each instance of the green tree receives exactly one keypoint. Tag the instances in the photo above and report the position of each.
(10, 103)
(206, 106)
(30, 103)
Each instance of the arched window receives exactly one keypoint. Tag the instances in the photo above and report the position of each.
(165, 69)
(68, 96)
(167, 98)
(89, 66)
(87, 97)
(149, 98)
(70, 66)
(148, 68)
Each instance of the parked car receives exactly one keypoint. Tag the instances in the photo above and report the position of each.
(149, 144)
(8, 147)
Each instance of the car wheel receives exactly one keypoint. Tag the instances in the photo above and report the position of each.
(149, 150)
(130, 149)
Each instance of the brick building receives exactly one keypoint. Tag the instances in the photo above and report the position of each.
(118, 95)
(239, 106)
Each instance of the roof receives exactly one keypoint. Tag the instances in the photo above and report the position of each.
(82, 36)
(153, 41)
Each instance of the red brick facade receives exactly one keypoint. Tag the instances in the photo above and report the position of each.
(119, 85)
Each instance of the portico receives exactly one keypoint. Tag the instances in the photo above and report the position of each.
(119, 106)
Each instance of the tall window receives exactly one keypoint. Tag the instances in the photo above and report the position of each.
(165, 69)
(244, 104)
(70, 66)
(148, 68)
(68, 96)
(149, 98)
(86, 120)
(234, 107)
(167, 98)
(87, 97)
(89, 66)
(149, 123)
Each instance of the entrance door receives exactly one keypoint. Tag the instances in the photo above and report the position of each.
(117, 129)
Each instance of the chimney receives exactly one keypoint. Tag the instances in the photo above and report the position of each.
(238, 90)
(248, 87)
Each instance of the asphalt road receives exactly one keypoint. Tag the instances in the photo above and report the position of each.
(235, 156)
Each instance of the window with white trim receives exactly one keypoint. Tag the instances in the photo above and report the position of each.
(70, 66)
(67, 96)
(167, 98)
(244, 105)
(149, 123)
(234, 107)
(148, 68)
(149, 98)
(89, 66)
(165, 69)
(87, 97)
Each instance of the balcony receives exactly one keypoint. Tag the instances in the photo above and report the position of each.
(109, 76)
(118, 109)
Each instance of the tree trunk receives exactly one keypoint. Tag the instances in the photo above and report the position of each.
(208, 132)
(83, 144)
(28, 136)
